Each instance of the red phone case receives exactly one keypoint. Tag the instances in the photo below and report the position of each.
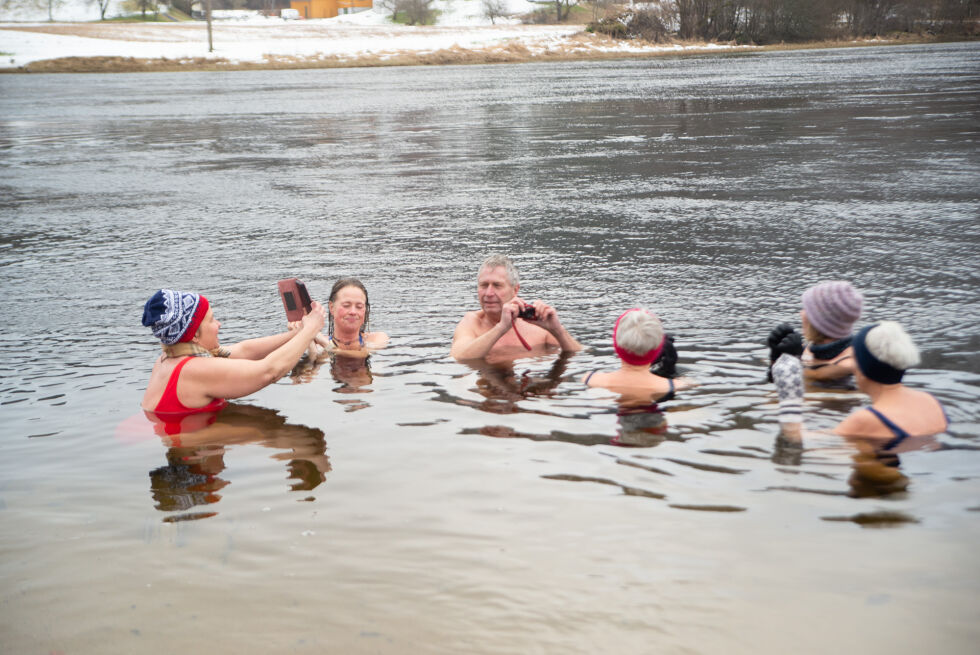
(295, 298)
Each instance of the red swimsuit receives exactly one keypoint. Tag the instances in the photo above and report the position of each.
(170, 404)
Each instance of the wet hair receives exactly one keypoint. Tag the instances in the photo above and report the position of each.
(501, 261)
(890, 343)
(639, 332)
(343, 283)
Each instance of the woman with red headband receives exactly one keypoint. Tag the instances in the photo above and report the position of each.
(638, 339)
(195, 374)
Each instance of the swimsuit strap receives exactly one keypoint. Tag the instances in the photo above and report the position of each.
(168, 401)
(589, 376)
(900, 434)
(670, 394)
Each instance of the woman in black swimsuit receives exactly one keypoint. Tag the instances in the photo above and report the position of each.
(883, 352)
(638, 339)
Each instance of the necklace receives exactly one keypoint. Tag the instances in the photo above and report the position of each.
(346, 345)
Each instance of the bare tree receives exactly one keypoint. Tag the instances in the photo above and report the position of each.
(769, 21)
(103, 6)
(388, 5)
(418, 12)
(140, 6)
(414, 12)
(494, 9)
(35, 5)
(599, 8)
(567, 5)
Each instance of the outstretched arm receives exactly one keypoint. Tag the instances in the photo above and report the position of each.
(260, 347)
(234, 378)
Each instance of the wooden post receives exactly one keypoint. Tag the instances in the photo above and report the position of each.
(207, 10)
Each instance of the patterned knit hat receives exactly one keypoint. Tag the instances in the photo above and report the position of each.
(833, 307)
(174, 316)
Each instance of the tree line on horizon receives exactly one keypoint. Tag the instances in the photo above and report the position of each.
(741, 21)
(774, 21)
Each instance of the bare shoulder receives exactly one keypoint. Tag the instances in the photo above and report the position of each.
(926, 403)
(859, 423)
(471, 318)
(469, 324)
(376, 339)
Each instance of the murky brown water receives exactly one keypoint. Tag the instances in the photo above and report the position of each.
(426, 506)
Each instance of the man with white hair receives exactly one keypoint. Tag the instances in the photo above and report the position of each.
(506, 324)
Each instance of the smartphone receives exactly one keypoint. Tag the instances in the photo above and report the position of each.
(295, 298)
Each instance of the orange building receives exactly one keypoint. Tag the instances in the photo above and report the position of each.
(327, 8)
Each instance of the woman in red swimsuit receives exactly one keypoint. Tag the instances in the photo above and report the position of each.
(195, 374)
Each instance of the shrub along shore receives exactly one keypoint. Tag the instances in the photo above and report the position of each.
(577, 47)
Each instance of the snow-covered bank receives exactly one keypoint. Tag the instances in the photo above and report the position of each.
(313, 42)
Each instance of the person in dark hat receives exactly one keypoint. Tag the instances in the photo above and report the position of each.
(194, 373)
(883, 352)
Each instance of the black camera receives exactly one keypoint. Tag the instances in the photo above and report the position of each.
(527, 313)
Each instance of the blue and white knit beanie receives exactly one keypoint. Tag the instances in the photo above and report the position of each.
(174, 316)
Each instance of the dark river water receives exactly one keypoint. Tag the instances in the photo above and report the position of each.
(422, 505)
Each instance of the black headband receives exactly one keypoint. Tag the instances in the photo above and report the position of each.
(872, 367)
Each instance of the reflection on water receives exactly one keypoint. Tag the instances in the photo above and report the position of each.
(197, 446)
(502, 387)
(353, 373)
(641, 426)
(713, 190)
(875, 465)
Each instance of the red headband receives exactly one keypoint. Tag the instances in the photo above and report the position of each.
(646, 358)
(199, 314)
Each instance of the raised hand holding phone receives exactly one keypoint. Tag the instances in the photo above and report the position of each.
(295, 298)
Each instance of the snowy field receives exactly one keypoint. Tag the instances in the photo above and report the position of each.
(462, 30)
(26, 37)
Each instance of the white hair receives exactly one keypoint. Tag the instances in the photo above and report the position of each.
(497, 260)
(639, 332)
(890, 343)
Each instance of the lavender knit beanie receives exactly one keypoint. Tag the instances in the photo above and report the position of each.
(833, 307)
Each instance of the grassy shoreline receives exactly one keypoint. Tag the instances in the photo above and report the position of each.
(580, 47)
